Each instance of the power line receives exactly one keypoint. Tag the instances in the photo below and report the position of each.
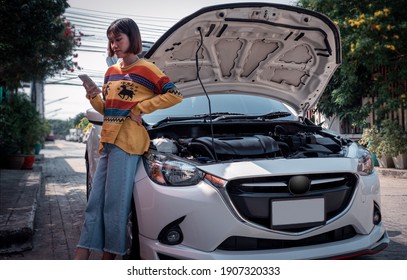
(100, 21)
(117, 15)
(56, 100)
(93, 24)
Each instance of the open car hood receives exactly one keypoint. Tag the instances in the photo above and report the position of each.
(274, 50)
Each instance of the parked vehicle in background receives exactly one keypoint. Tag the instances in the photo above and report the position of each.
(236, 170)
(50, 137)
(75, 135)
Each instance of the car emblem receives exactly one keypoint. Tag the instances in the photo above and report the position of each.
(299, 184)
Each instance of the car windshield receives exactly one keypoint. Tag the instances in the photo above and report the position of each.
(225, 103)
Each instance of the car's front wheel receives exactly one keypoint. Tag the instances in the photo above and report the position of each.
(133, 251)
(88, 177)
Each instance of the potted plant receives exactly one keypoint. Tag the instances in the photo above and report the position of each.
(35, 137)
(22, 128)
(371, 139)
(394, 143)
(10, 152)
(377, 144)
(32, 131)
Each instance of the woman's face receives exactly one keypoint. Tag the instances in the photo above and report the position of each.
(120, 44)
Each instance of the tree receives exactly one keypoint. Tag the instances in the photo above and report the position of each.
(35, 40)
(78, 118)
(60, 128)
(374, 62)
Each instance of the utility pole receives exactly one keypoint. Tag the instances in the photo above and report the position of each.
(37, 96)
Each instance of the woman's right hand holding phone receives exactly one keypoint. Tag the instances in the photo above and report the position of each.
(91, 90)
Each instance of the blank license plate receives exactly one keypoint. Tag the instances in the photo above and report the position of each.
(291, 213)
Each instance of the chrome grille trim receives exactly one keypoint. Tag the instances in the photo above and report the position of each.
(324, 181)
(271, 184)
(242, 194)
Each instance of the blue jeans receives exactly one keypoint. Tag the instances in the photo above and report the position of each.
(109, 202)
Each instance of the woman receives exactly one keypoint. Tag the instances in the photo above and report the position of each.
(132, 87)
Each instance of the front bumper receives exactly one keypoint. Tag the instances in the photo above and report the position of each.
(208, 220)
(357, 246)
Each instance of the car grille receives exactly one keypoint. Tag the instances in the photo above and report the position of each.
(252, 197)
(239, 243)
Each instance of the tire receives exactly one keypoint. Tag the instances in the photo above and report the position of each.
(88, 178)
(133, 251)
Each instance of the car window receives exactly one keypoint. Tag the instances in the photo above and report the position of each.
(231, 103)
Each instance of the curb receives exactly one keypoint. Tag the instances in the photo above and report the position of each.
(392, 172)
(17, 219)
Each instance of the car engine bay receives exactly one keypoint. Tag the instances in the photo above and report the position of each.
(246, 140)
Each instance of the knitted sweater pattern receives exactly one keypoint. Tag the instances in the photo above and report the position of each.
(139, 88)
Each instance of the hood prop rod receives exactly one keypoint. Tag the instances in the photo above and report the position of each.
(207, 96)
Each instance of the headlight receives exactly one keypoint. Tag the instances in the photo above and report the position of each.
(365, 162)
(168, 171)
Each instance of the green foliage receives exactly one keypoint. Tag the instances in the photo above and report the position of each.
(373, 38)
(394, 141)
(78, 119)
(22, 126)
(61, 128)
(371, 139)
(84, 124)
(35, 40)
(389, 141)
(9, 132)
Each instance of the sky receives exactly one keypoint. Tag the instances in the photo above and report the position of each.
(67, 101)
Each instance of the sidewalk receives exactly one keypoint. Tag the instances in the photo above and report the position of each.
(18, 202)
(19, 191)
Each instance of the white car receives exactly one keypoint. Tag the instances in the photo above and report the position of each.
(236, 170)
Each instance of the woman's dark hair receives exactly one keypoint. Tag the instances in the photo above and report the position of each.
(130, 28)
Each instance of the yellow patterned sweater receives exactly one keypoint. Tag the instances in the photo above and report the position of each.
(140, 88)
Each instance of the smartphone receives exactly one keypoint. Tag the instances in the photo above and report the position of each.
(87, 80)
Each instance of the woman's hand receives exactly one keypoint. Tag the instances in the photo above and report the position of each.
(136, 118)
(91, 91)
